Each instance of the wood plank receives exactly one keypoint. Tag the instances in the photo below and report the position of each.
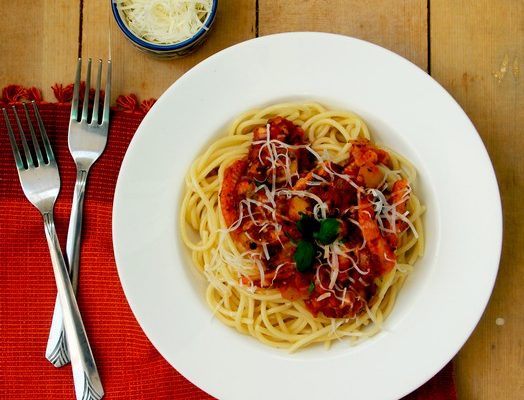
(398, 25)
(145, 75)
(477, 49)
(39, 43)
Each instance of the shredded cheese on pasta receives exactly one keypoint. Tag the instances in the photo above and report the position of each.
(261, 311)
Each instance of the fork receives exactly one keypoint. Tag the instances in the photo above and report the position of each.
(87, 140)
(40, 182)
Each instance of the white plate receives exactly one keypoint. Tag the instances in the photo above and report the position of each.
(439, 305)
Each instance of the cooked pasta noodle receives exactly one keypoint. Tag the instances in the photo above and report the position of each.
(238, 292)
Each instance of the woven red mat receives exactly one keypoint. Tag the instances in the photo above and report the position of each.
(129, 366)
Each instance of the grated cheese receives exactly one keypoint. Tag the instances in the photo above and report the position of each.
(165, 21)
(385, 211)
(261, 272)
(277, 270)
(266, 252)
(323, 296)
(331, 253)
(275, 155)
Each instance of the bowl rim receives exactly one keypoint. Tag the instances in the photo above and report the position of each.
(327, 88)
(158, 47)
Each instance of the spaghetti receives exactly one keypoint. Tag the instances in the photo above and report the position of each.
(305, 229)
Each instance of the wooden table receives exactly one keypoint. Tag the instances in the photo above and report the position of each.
(473, 48)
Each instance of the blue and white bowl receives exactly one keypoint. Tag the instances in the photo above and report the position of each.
(171, 50)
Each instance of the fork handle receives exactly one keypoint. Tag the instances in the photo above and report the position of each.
(56, 351)
(85, 374)
(74, 231)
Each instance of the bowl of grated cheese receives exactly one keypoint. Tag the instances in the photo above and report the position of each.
(165, 28)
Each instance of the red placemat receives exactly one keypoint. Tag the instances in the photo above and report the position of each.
(129, 365)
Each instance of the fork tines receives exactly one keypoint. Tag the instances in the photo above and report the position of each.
(27, 161)
(95, 117)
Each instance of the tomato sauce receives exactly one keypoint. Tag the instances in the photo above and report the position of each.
(322, 232)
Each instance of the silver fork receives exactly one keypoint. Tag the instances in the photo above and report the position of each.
(87, 140)
(40, 182)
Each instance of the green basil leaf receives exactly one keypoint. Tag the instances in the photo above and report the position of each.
(304, 255)
(311, 287)
(328, 232)
(307, 226)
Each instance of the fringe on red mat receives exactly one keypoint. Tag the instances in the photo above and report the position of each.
(13, 94)
(64, 94)
(131, 104)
